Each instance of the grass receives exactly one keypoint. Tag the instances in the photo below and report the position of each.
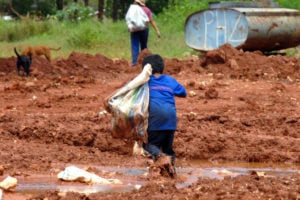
(107, 38)
(91, 36)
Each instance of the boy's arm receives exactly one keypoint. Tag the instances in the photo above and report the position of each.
(180, 91)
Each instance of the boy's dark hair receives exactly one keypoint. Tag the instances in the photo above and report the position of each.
(156, 62)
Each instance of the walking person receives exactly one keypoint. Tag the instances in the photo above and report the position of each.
(162, 120)
(139, 37)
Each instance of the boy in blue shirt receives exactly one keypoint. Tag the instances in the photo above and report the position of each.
(162, 121)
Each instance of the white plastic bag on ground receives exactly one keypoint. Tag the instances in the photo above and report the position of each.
(73, 173)
(129, 107)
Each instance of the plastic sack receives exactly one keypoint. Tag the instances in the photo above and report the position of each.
(129, 107)
(136, 18)
(73, 173)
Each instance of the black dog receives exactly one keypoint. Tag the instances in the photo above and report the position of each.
(24, 61)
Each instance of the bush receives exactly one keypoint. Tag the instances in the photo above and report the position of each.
(75, 12)
(34, 7)
(83, 34)
(84, 38)
(19, 30)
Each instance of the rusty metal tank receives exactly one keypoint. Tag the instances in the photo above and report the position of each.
(264, 29)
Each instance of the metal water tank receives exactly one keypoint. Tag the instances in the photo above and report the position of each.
(264, 29)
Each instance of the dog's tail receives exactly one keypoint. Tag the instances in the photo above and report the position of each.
(16, 52)
(55, 49)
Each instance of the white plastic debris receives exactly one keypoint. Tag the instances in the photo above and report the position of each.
(138, 150)
(259, 174)
(104, 112)
(9, 183)
(137, 187)
(73, 173)
(192, 93)
(224, 172)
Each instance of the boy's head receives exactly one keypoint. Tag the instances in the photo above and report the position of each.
(156, 62)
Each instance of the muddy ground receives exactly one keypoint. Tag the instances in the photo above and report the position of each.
(242, 107)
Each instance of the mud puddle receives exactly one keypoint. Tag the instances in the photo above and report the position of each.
(134, 178)
(33, 186)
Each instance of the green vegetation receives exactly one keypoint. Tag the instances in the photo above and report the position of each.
(75, 12)
(109, 38)
(289, 4)
(92, 36)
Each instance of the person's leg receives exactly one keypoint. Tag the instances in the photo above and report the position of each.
(135, 46)
(144, 39)
(167, 145)
(167, 148)
(162, 160)
(155, 139)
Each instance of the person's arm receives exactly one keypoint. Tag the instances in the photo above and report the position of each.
(152, 22)
(179, 90)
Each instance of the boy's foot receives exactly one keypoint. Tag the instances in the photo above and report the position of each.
(164, 163)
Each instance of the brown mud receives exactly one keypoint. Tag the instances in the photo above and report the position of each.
(241, 107)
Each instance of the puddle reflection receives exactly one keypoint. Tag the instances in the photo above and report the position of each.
(192, 174)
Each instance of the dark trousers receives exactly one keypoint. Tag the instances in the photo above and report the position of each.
(160, 142)
(139, 40)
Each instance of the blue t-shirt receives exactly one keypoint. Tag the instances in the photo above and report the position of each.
(162, 109)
